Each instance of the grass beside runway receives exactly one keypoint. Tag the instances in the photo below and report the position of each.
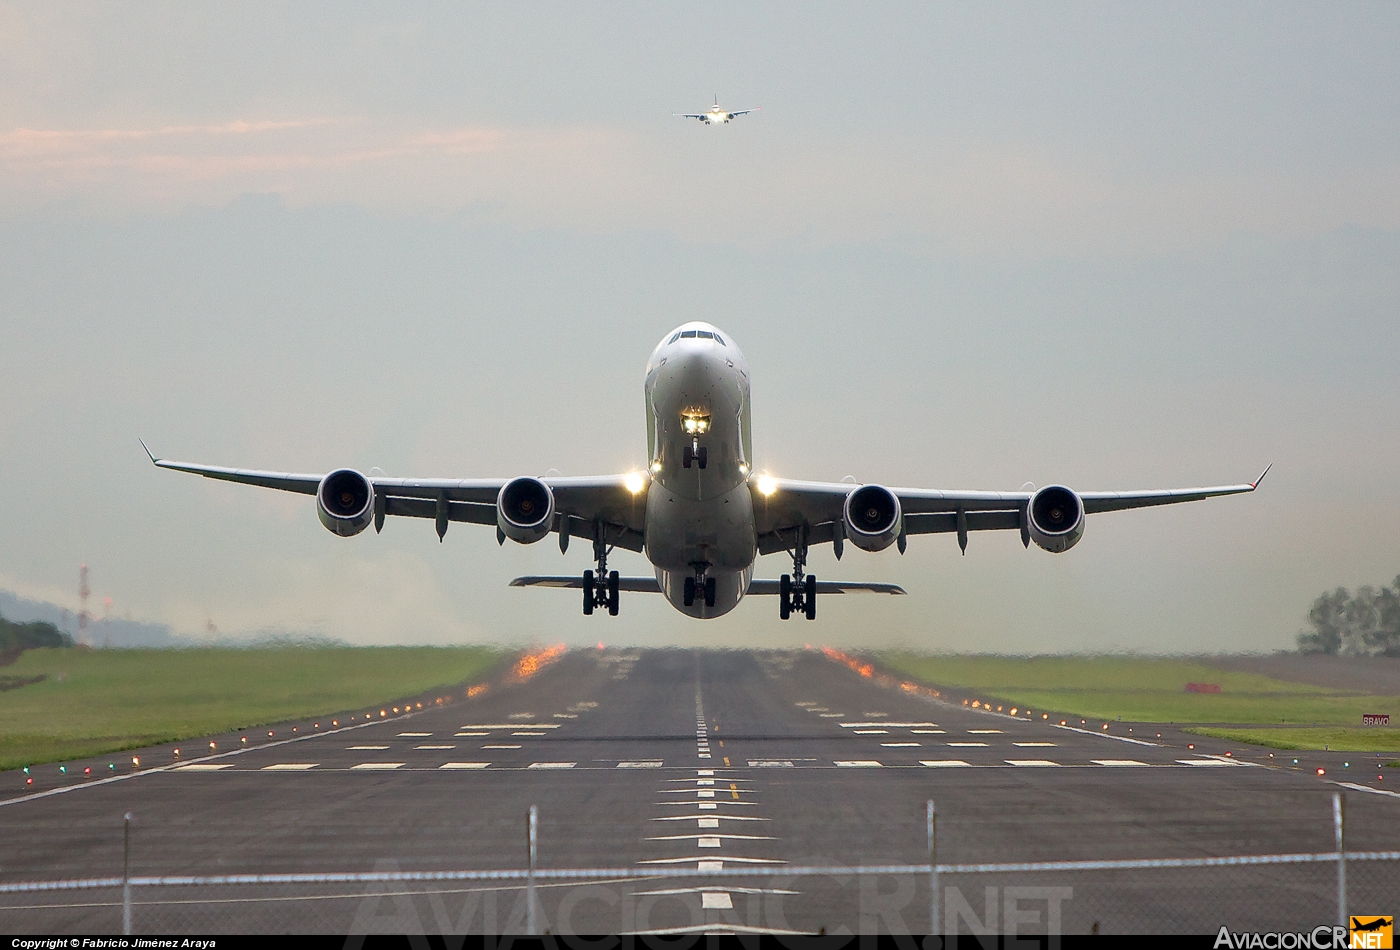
(97, 701)
(1147, 689)
(1335, 738)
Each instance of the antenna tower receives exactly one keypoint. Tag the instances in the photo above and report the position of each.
(83, 615)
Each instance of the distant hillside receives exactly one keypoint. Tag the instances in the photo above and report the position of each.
(110, 632)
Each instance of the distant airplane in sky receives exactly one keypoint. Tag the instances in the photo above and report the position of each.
(700, 512)
(715, 115)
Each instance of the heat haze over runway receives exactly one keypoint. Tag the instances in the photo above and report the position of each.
(676, 759)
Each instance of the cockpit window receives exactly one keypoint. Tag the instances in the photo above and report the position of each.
(721, 340)
(704, 334)
(687, 334)
(674, 338)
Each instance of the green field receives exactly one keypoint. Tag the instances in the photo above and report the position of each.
(1336, 738)
(1143, 689)
(96, 701)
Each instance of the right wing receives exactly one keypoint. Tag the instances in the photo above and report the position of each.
(649, 585)
(587, 507)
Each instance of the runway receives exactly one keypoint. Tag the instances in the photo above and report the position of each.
(691, 759)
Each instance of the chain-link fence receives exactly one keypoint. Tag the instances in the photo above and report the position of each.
(1296, 893)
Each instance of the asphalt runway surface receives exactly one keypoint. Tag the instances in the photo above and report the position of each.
(698, 760)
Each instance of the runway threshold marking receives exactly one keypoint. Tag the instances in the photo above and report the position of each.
(377, 766)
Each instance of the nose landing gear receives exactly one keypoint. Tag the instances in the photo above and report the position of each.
(696, 454)
(797, 593)
(600, 590)
(699, 586)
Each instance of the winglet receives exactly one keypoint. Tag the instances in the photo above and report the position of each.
(1255, 483)
(154, 460)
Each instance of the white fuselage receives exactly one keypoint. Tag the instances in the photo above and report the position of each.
(714, 118)
(700, 520)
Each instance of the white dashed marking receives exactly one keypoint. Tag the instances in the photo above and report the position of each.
(857, 764)
(464, 765)
(900, 745)
(1117, 762)
(377, 766)
(984, 732)
(716, 900)
(872, 732)
(468, 735)
(1203, 762)
(708, 822)
(1034, 745)
(202, 768)
(928, 732)
(551, 765)
(649, 764)
(889, 725)
(1033, 763)
(705, 793)
(500, 747)
(944, 763)
(414, 735)
(435, 747)
(968, 745)
(527, 733)
(367, 748)
(770, 764)
(289, 767)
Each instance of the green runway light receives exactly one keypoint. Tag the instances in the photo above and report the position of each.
(63, 769)
(26, 770)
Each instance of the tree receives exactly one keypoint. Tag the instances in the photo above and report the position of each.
(1366, 623)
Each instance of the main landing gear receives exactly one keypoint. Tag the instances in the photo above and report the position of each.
(600, 590)
(797, 593)
(699, 586)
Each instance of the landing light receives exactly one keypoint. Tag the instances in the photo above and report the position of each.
(634, 482)
(695, 421)
(767, 485)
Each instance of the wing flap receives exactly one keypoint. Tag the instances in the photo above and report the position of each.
(636, 585)
(765, 587)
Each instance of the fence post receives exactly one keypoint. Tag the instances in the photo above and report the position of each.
(1339, 825)
(530, 877)
(932, 868)
(126, 875)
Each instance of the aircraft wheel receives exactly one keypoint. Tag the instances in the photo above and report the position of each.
(811, 596)
(688, 592)
(702, 456)
(709, 588)
(612, 594)
(587, 593)
(785, 596)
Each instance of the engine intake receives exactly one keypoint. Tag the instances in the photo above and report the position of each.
(525, 510)
(873, 517)
(345, 502)
(1055, 519)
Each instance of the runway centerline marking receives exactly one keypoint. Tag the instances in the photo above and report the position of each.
(551, 765)
(367, 748)
(1034, 745)
(944, 763)
(434, 748)
(469, 735)
(500, 747)
(968, 745)
(289, 767)
(1033, 763)
(527, 733)
(377, 766)
(872, 732)
(647, 764)
(984, 732)
(900, 745)
(858, 764)
(414, 735)
(464, 765)
(1116, 762)
(929, 732)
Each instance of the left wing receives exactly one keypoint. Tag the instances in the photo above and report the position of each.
(745, 111)
(587, 507)
(787, 509)
(649, 585)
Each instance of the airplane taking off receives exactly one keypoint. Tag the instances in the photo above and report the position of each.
(700, 513)
(715, 115)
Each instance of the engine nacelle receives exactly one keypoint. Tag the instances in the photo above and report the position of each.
(873, 517)
(525, 510)
(345, 502)
(1055, 519)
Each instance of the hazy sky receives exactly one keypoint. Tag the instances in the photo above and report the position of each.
(962, 246)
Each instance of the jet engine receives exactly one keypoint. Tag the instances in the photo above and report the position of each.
(873, 517)
(1055, 519)
(525, 510)
(345, 502)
